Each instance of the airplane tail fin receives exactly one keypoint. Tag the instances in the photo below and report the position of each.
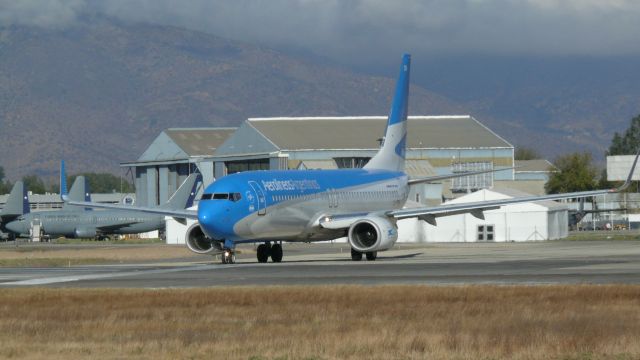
(63, 181)
(18, 201)
(185, 195)
(80, 191)
(392, 153)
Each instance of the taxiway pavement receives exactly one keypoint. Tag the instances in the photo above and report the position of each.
(548, 262)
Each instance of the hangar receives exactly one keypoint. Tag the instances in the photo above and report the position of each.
(170, 158)
(542, 220)
(435, 145)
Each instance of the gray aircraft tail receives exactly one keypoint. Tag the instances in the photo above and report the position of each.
(185, 195)
(80, 191)
(18, 201)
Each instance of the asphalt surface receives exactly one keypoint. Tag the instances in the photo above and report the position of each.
(550, 262)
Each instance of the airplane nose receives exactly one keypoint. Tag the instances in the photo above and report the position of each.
(14, 227)
(214, 220)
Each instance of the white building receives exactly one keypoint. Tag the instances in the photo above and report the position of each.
(543, 220)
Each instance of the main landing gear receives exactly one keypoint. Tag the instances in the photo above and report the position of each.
(357, 255)
(267, 250)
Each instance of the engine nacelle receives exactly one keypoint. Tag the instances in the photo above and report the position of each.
(372, 233)
(199, 243)
(84, 232)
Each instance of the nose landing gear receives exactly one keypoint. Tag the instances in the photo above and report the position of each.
(228, 256)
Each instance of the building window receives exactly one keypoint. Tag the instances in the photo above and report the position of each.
(467, 184)
(351, 162)
(246, 165)
(417, 197)
(486, 233)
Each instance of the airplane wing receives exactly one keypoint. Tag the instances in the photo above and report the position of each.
(429, 214)
(182, 214)
(452, 176)
(158, 210)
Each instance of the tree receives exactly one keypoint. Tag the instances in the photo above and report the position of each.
(577, 173)
(103, 183)
(628, 142)
(4, 187)
(525, 153)
(34, 184)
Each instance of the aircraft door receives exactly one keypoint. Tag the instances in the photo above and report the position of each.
(259, 194)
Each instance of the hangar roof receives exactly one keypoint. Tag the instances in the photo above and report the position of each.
(424, 132)
(182, 143)
(199, 141)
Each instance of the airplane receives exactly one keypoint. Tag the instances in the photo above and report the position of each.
(76, 222)
(17, 204)
(271, 207)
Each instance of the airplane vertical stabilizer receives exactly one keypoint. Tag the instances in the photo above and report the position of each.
(18, 201)
(392, 153)
(185, 195)
(63, 180)
(80, 191)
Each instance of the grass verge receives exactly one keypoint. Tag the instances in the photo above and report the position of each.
(62, 256)
(604, 235)
(343, 322)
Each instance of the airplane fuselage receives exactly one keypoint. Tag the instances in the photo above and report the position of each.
(287, 205)
(87, 223)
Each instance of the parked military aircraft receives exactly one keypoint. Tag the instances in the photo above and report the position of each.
(270, 207)
(17, 204)
(77, 222)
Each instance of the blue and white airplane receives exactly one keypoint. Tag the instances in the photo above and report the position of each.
(364, 205)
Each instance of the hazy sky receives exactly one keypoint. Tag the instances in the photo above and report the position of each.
(376, 30)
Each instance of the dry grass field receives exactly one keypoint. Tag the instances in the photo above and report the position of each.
(345, 322)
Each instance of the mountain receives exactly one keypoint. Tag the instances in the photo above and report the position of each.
(98, 92)
(552, 104)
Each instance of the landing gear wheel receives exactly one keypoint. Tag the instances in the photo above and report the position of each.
(276, 253)
(372, 255)
(263, 253)
(228, 257)
(356, 255)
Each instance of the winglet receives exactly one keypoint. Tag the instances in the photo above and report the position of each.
(63, 183)
(628, 181)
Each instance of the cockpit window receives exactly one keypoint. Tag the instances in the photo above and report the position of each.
(222, 196)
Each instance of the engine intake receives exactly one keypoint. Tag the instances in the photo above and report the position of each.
(372, 233)
(199, 243)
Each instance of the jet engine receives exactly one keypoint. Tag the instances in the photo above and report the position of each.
(372, 233)
(199, 243)
(84, 232)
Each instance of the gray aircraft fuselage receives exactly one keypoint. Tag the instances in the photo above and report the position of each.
(80, 223)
